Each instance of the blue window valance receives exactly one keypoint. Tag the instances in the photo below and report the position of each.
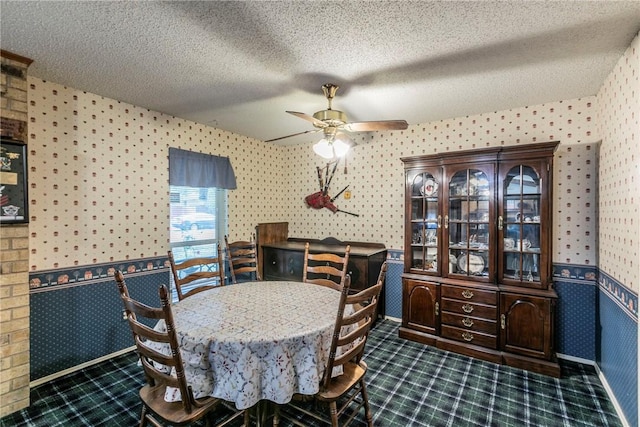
(191, 169)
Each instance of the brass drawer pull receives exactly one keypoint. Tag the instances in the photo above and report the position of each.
(467, 294)
(467, 308)
(467, 336)
(467, 322)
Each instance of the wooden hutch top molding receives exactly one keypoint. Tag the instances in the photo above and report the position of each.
(15, 57)
(477, 155)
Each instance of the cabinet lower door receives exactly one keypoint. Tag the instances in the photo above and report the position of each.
(420, 306)
(283, 265)
(526, 325)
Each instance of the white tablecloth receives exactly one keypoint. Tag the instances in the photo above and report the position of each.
(256, 340)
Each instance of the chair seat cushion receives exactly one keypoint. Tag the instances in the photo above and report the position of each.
(339, 385)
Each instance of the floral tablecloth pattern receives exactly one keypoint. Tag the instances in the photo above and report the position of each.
(256, 340)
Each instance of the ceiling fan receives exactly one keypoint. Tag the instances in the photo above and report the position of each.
(334, 124)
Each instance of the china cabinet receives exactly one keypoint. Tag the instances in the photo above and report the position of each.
(477, 276)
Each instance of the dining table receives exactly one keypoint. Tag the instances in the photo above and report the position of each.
(255, 341)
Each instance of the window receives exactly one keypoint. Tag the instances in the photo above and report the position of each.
(197, 218)
(198, 185)
(197, 221)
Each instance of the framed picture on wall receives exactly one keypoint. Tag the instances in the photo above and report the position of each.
(14, 203)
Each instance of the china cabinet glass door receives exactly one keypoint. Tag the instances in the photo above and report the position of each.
(468, 223)
(520, 225)
(425, 221)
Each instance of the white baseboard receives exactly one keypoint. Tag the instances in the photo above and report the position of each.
(616, 405)
(604, 382)
(576, 359)
(393, 319)
(51, 377)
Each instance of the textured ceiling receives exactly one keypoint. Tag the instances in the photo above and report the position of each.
(239, 65)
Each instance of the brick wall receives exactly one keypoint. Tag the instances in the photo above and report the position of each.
(14, 254)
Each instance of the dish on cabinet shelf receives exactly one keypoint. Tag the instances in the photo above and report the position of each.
(477, 245)
(430, 188)
(476, 264)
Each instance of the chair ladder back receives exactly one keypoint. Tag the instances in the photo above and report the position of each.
(383, 273)
(208, 270)
(352, 329)
(157, 366)
(336, 329)
(243, 258)
(325, 269)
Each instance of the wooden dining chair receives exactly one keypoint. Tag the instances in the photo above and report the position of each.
(195, 275)
(325, 269)
(382, 276)
(158, 366)
(243, 259)
(347, 349)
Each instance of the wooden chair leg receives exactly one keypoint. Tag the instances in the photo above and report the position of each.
(247, 418)
(365, 399)
(333, 410)
(143, 416)
(276, 415)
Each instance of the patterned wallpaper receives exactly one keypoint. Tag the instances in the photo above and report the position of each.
(376, 175)
(98, 178)
(618, 117)
(98, 175)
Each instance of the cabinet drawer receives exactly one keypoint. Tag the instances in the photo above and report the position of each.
(469, 323)
(469, 337)
(470, 294)
(467, 308)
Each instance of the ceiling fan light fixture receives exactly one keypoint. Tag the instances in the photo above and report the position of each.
(340, 147)
(331, 149)
(323, 149)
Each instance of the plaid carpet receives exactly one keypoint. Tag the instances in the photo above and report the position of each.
(409, 384)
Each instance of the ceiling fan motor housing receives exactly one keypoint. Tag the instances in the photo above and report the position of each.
(330, 117)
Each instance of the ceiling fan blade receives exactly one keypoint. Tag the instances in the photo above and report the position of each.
(316, 122)
(376, 125)
(345, 137)
(295, 134)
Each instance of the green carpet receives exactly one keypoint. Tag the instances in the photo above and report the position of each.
(409, 384)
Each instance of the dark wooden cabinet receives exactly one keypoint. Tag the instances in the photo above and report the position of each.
(478, 250)
(420, 309)
(269, 232)
(285, 260)
(282, 262)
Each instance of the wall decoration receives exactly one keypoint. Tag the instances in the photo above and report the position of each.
(13, 182)
(321, 199)
(13, 129)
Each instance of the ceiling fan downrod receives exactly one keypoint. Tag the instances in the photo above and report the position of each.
(329, 90)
